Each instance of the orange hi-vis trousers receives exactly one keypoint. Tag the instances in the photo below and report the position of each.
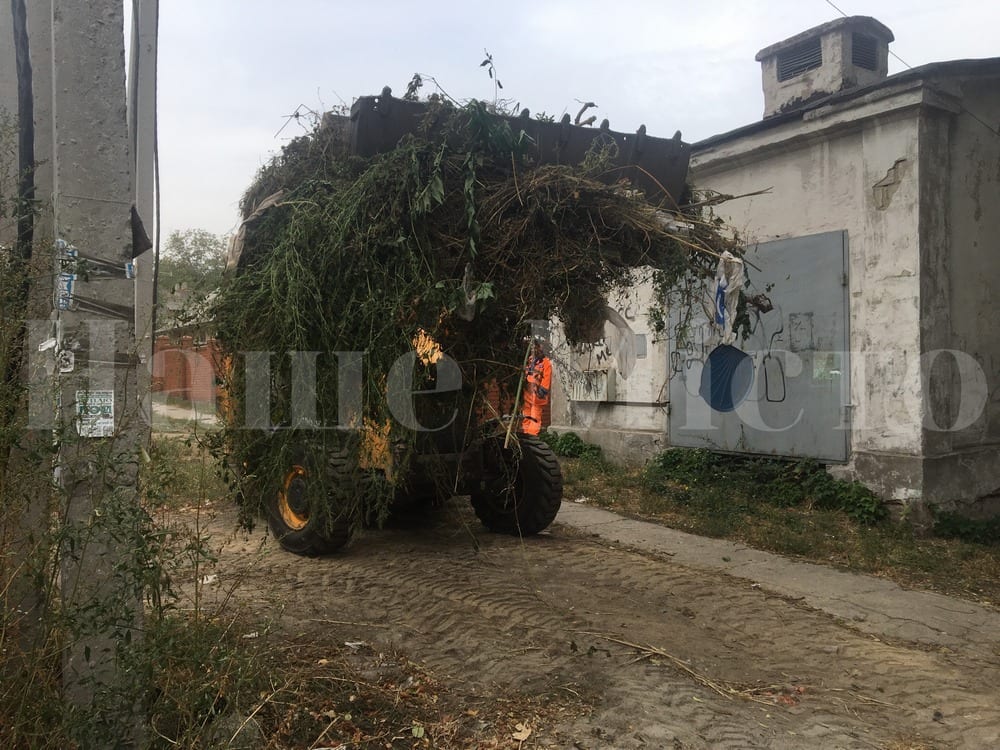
(537, 384)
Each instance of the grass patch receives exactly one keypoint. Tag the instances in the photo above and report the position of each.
(797, 509)
(207, 677)
(182, 471)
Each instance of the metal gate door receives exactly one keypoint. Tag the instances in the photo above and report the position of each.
(797, 399)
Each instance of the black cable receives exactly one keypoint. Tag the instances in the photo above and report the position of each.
(25, 220)
(25, 136)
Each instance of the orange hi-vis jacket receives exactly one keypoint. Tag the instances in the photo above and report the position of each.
(537, 384)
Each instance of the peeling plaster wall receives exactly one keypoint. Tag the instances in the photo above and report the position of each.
(974, 219)
(854, 171)
(633, 427)
(885, 287)
(836, 73)
(961, 280)
(825, 79)
(862, 177)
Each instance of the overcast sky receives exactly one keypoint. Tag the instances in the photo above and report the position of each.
(232, 71)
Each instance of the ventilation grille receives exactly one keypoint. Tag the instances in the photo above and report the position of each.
(864, 51)
(800, 58)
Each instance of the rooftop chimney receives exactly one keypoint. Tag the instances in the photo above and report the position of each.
(826, 59)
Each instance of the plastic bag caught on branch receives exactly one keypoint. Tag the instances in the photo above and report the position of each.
(724, 295)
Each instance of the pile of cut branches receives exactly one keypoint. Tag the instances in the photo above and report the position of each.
(454, 235)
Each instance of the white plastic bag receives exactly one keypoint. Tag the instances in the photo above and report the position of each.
(725, 295)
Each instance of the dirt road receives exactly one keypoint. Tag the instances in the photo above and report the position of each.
(653, 653)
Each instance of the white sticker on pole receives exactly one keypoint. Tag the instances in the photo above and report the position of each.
(95, 413)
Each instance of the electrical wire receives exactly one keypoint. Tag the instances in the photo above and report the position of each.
(831, 4)
(973, 115)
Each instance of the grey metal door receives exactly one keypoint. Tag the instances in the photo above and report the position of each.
(796, 404)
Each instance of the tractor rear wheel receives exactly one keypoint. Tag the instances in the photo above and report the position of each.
(520, 491)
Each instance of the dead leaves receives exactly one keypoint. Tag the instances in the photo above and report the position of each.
(521, 732)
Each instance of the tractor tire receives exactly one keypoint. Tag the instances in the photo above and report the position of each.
(299, 526)
(521, 488)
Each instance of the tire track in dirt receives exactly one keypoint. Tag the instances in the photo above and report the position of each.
(490, 628)
(728, 622)
(499, 615)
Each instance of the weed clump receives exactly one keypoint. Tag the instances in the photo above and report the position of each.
(571, 445)
(701, 475)
(953, 526)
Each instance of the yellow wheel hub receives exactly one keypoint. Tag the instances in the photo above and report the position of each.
(292, 501)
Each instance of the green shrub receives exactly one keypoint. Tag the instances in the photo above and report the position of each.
(760, 480)
(954, 526)
(683, 467)
(571, 445)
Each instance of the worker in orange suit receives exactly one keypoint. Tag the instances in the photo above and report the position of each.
(537, 384)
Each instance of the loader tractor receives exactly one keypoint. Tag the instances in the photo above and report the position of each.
(513, 480)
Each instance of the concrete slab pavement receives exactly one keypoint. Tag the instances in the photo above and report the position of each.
(869, 604)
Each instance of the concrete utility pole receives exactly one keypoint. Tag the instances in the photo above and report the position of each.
(84, 183)
(95, 312)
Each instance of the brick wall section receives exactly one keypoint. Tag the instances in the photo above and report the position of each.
(201, 374)
(186, 371)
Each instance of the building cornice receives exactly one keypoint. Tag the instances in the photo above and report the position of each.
(926, 87)
(953, 69)
(865, 24)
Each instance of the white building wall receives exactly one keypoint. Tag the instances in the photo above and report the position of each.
(974, 222)
(633, 425)
(825, 174)
(859, 177)
(914, 179)
(961, 276)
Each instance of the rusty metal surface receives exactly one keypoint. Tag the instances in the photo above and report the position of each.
(657, 166)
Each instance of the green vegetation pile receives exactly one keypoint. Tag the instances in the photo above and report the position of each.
(366, 255)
